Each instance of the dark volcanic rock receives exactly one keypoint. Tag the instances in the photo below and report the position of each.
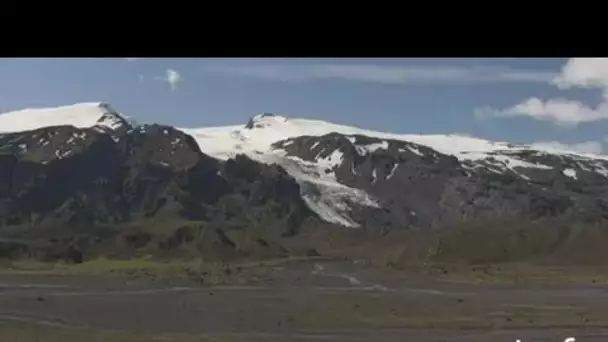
(418, 187)
(63, 181)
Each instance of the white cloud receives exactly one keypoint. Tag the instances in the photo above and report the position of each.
(171, 77)
(384, 73)
(594, 147)
(560, 111)
(583, 73)
(576, 73)
(132, 59)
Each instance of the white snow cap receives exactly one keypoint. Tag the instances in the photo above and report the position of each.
(80, 115)
(264, 129)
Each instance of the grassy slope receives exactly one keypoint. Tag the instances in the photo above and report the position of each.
(475, 252)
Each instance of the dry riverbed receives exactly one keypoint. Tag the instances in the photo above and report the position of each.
(310, 300)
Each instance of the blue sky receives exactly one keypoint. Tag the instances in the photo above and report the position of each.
(488, 98)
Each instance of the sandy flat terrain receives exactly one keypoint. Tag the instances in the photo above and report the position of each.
(304, 302)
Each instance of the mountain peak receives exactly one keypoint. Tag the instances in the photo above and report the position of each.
(111, 118)
(79, 115)
(264, 120)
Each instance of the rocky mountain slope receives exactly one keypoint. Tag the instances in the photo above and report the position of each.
(63, 179)
(86, 165)
(357, 177)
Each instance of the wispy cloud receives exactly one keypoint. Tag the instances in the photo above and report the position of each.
(171, 77)
(132, 59)
(590, 73)
(385, 73)
(559, 111)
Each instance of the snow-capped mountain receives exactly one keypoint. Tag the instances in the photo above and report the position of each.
(81, 115)
(345, 175)
(315, 152)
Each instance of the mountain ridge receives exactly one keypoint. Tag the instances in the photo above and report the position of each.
(89, 114)
(265, 139)
(86, 165)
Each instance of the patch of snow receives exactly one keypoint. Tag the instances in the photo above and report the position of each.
(326, 212)
(512, 162)
(570, 173)
(371, 148)
(374, 176)
(320, 190)
(495, 170)
(583, 167)
(599, 168)
(360, 150)
(333, 160)
(111, 119)
(61, 155)
(392, 173)
(312, 147)
(415, 150)
(500, 163)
